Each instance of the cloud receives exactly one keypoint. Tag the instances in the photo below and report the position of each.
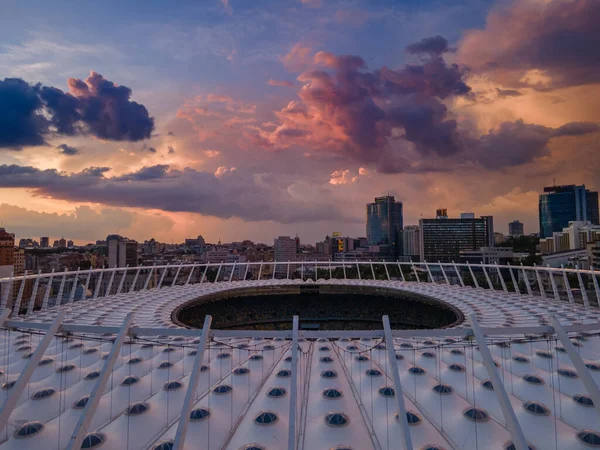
(171, 150)
(31, 113)
(298, 58)
(281, 83)
(504, 93)
(226, 193)
(148, 148)
(544, 45)
(212, 153)
(65, 149)
(435, 45)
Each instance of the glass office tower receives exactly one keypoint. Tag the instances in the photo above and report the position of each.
(385, 223)
(560, 205)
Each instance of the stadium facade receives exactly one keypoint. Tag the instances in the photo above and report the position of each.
(105, 367)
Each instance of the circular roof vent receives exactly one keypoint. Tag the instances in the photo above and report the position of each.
(443, 389)
(488, 385)
(476, 414)
(399, 357)
(241, 371)
(172, 385)
(135, 409)
(332, 393)
(536, 408)
(387, 391)
(544, 354)
(134, 360)
(361, 358)
(164, 445)
(373, 372)
(589, 437)
(411, 418)
(165, 365)
(266, 418)
(428, 355)
(457, 351)
(284, 373)
(567, 373)
(510, 446)
(46, 361)
(252, 447)
(128, 381)
(80, 404)
(92, 440)
(223, 356)
(456, 367)
(326, 359)
(520, 359)
(533, 379)
(336, 419)
(199, 414)
(416, 370)
(276, 392)
(256, 357)
(329, 374)
(8, 385)
(324, 348)
(222, 389)
(43, 393)
(583, 399)
(29, 429)
(92, 375)
(66, 368)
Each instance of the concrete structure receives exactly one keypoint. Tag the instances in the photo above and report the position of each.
(122, 252)
(443, 239)
(520, 372)
(385, 223)
(487, 255)
(559, 205)
(567, 258)
(516, 229)
(284, 248)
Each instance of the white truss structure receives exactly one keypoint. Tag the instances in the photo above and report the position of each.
(531, 334)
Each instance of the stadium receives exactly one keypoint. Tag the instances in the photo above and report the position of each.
(310, 355)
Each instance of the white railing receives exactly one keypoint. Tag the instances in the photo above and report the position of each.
(25, 293)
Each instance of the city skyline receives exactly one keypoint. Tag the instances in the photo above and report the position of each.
(236, 120)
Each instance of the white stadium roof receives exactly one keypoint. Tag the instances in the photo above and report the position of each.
(116, 372)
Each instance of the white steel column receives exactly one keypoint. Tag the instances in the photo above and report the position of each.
(302, 271)
(74, 287)
(190, 395)
(6, 292)
(416, 273)
(475, 282)
(402, 419)
(94, 399)
(344, 269)
(148, 278)
(135, 278)
(444, 273)
(110, 282)
(259, 271)
(460, 279)
(513, 279)
(508, 412)
(98, 283)
(358, 270)
(504, 288)
(567, 285)
(330, 271)
(526, 281)
(17, 305)
(233, 270)
(189, 278)
(372, 269)
(553, 282)
(15, 392)
(387, 273)
(584, 373)
(539, 280)
(431, 280)
(47, 293)
(401, 272)
(584, 296)
(218, 272)
(122, 280)
(293, 387)
(487, 277)
(316, 270)
(87, 284)
(176, 275)
(287, 277)
(204, 273)
(596, 286)
(61, 289)
(36, 285)
(162, 276)
(274, 268)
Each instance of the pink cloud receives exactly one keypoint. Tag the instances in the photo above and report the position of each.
(281, 83)
(298, 58)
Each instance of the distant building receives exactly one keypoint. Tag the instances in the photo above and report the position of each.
(411, 242)
(122, 252)
(284, 248)
(499, 238)
(441, 213)
(70, 244)
(44, 242)
(487, 255)
(19, 262)
(7, 248)
(467, 215)
(385, 223)
(559, 205)
(516, 229)
(443, 239)
(574, 237)
(62, 243)
(593, 254)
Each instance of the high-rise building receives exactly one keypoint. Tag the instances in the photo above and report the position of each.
(285, 248)
(44, 242)
(7, 248)
(576, 236)
(385, 223)
(70, 243)
(411, 242)
(62, 243)
(122, 252)
(560, 205)
(444, 239)
(515, 228)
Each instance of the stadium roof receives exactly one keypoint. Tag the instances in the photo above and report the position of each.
(137, 366)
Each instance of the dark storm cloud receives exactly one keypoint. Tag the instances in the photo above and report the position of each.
(147, 148)
(171, 150)
(559, 38)
(435, 45)
(234, 194)
(31, 113)
(504, 93)
(67, 150)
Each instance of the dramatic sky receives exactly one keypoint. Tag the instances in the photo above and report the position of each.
(243, 119)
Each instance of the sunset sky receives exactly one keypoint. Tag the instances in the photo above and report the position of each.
(239, 119)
